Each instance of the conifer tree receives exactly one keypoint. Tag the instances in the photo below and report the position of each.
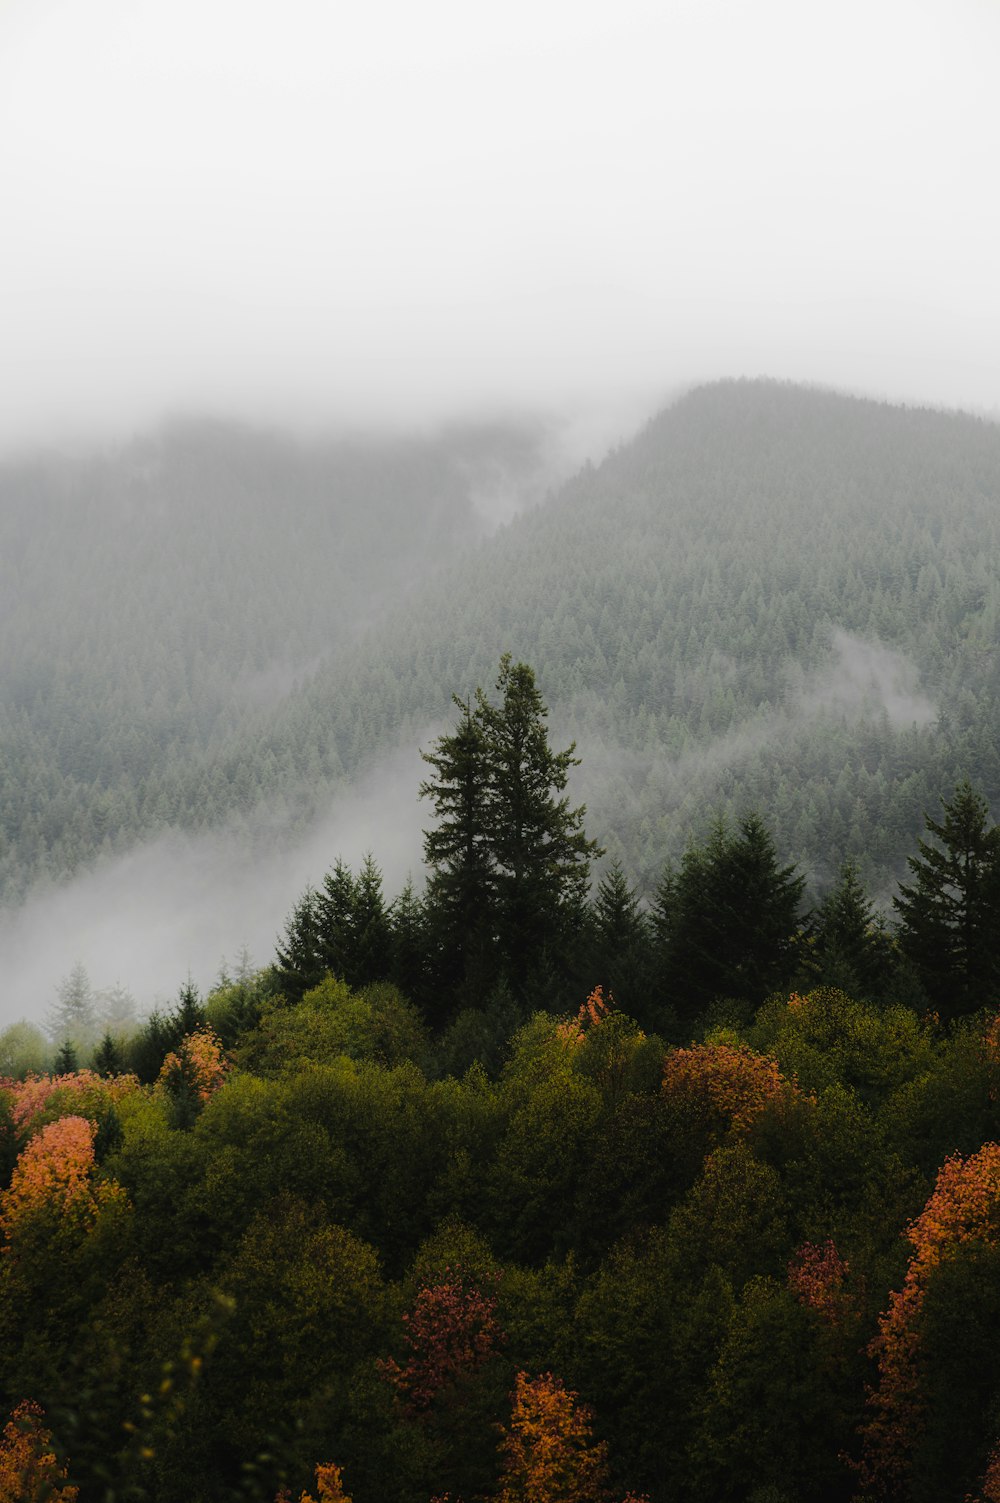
(370, 934)
(336, 903)
(509, 859)
(72, 1017)
(950, 913)
(460, 892)
(298, 966)
(851, 946)
(729, 918)
(620, 951)
(541, 854)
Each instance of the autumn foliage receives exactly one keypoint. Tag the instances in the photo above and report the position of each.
(732, 1079)
(198, 1061)
(549, 1455)
(54, 1170)
(450, 1332)
(29, 1472)
(591, 1013)
(329, 1487)
(963, 1206)
(82, 1093)
(817, 1277)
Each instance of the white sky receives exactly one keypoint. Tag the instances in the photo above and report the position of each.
(387, 209)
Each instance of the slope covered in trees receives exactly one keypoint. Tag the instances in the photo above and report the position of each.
(773, 598)
(380, 1218)
(155, 600)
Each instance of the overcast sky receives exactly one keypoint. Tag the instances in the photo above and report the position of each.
(346, 211)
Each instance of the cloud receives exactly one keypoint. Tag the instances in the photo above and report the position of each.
(182, 903)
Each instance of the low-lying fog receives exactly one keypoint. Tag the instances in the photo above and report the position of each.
(185, 904)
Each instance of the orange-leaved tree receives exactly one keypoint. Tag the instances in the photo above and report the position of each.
(732, 1080)
(549, 1454)
(591, 1013)
(54, 1171)
(29, 1472)
(191, 1074)
(963, 1206)
(39, 1099)
(329, 1487)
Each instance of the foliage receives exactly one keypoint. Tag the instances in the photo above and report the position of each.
(950, 913)
(733, 1080)
(548, 1449)
(29, 1471)
(962, 1208)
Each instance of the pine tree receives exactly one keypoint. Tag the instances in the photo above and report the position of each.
(336, 904)
(370, 957)
(510, 863)
(408, 919)
(189, 1014)
(72, 1018)
(620, 949)
(107, 1056)
(851, 947)
(730, 919)
(540, 853)
(67, 1061)
(950, 914)
(460, 892)
(298, 965)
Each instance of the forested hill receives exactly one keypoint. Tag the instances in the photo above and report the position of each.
(773, 597)
(153, 600)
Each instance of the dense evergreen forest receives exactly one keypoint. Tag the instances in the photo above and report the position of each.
(520, 1190)
(155, 601)
(772, 598)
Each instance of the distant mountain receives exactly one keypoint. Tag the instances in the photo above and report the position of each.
(154, 600)
(774, 597)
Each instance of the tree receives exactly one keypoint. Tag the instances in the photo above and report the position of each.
(460, 893)
(509, 859)
(72, 1017)
(852, 948)
(620, 950)
(540, 853)
(728, 919)
(107, 1056)
(298, 965)
(950, 914)
(549, 1453)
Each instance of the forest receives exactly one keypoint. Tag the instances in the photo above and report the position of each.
(771, 597)
(518, 1188)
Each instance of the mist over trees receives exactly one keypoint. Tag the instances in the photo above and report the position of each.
(755, 604)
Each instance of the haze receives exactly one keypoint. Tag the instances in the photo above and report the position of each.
(386, 213)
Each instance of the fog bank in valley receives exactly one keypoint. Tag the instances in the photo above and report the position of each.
(185, 903)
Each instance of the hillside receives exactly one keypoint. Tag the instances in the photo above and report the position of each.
(773, 597)
(155, 599)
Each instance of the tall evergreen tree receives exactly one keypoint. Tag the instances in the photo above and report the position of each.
(460, 891)
(540, 852)
(851, 948)
(298, 964)
(336, 903)
(72, 1017)
(510, 862)
(370, 956)
(620, 949)
(730, 919)
(949, 916)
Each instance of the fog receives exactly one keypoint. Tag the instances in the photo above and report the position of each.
(394, 213)
(184, 904)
